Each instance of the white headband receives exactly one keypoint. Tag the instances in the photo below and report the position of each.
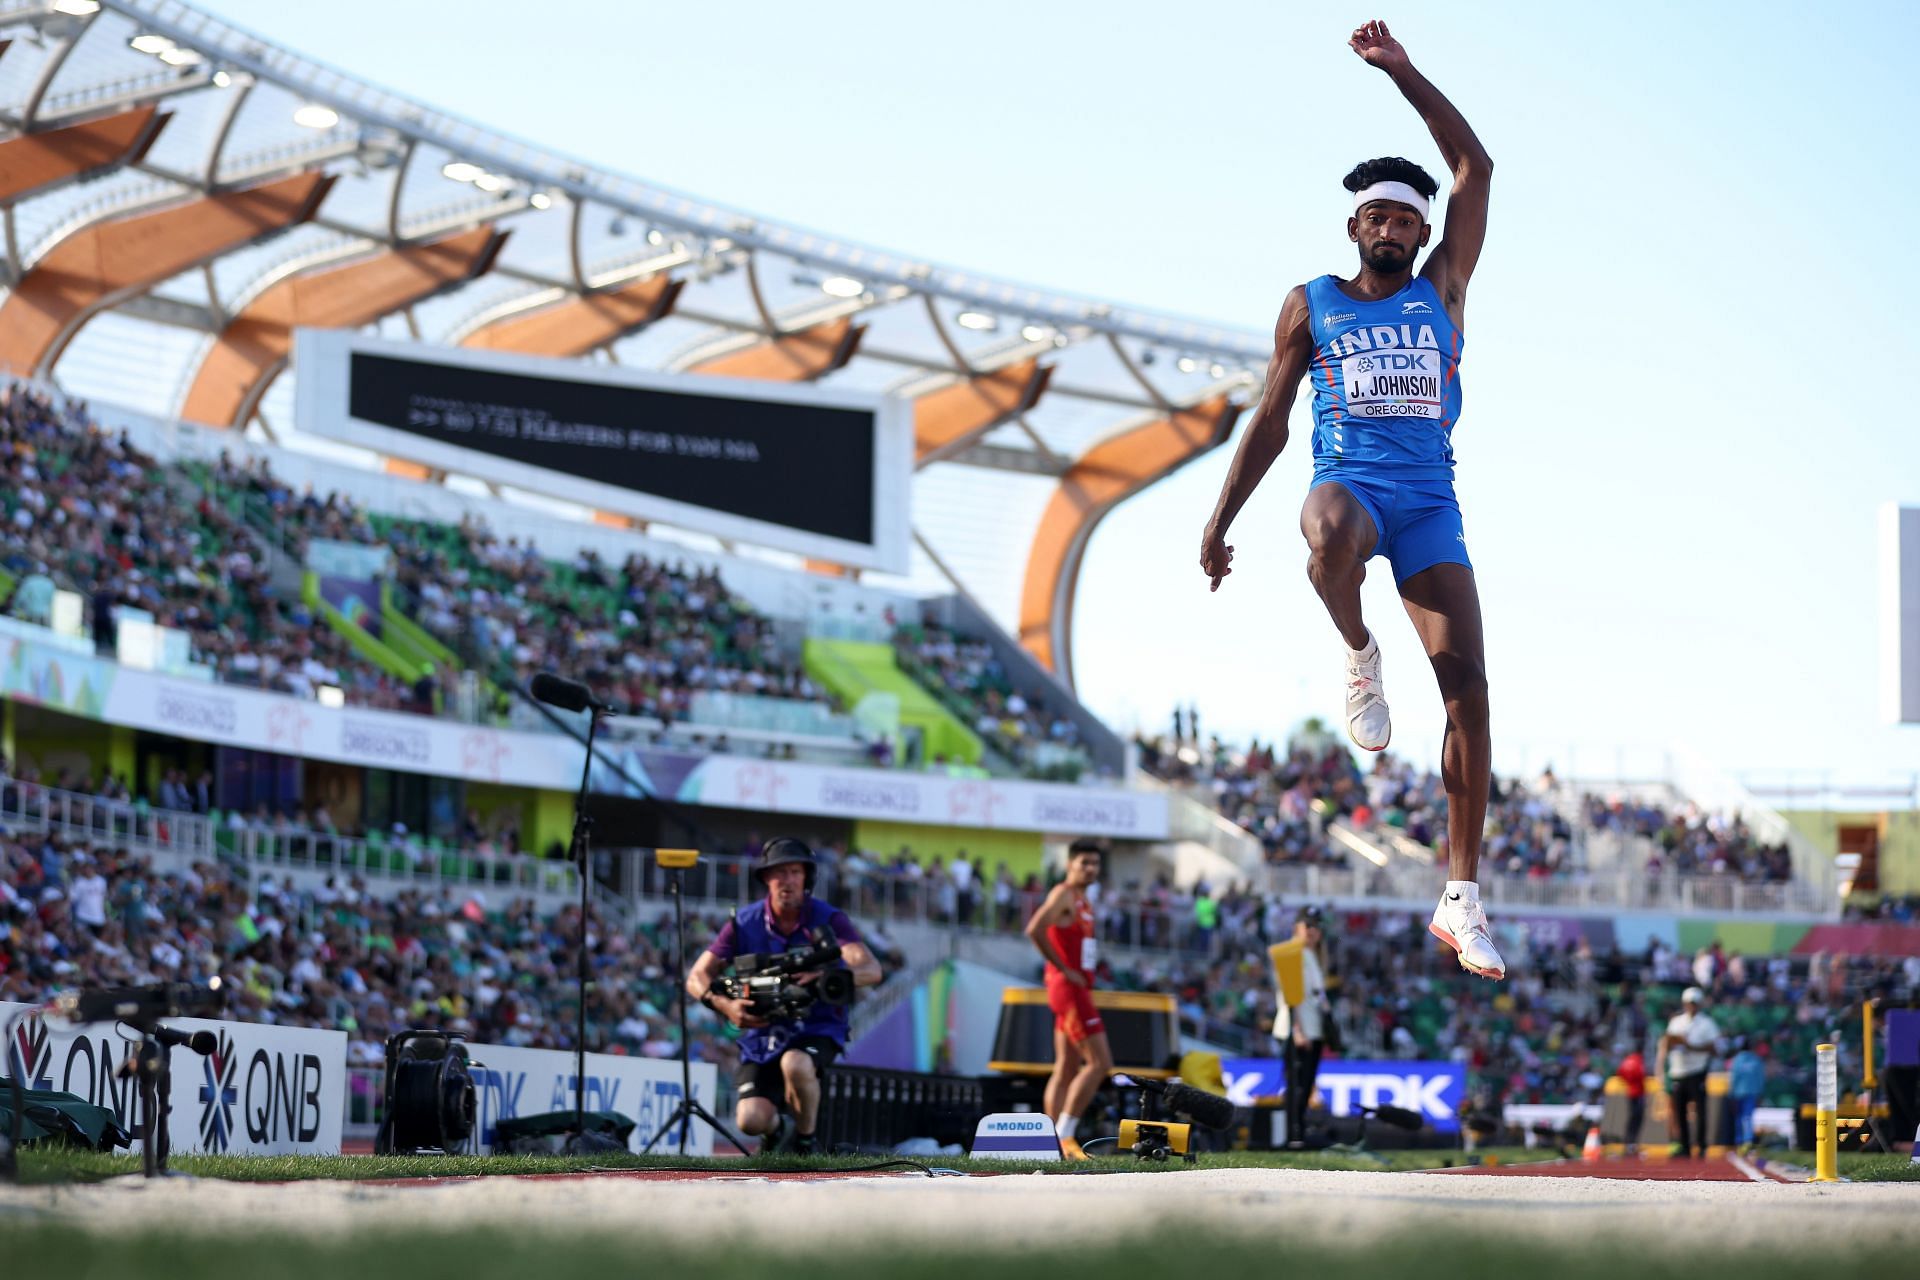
(1398, 192)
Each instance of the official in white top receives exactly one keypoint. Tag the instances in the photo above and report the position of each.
(1687, 1051)
(1302, 1029)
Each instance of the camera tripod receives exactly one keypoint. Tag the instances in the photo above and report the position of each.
(688, 1108)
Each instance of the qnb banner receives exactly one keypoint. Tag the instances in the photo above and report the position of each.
(264, 1091)
(1437, 1090)
(512, 1082)
(821, 471)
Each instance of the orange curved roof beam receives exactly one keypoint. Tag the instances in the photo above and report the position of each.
(954, 417)
(800, 356)
(34, 161)
(255, 346)
(105, 262)
(577, 325)
(1107, 475)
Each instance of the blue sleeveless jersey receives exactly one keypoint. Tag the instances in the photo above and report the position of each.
(1386, 382)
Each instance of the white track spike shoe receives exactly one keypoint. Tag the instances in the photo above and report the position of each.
(1461, 923)
(1368, 722)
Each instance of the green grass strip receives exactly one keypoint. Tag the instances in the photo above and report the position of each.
(430, 1254)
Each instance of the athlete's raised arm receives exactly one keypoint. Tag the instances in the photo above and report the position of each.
(1451, 263)
(1266, 433)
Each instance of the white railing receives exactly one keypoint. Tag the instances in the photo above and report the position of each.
(1683, 895)
(726, 881)
(407, 862)
(28, 806)
(182, 838)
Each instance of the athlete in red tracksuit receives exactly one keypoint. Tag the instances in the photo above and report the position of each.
(1063, 931)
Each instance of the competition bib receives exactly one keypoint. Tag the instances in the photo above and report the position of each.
(1089, 955)
(1403, 383)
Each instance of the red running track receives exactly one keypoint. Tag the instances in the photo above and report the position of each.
(1664, 1169)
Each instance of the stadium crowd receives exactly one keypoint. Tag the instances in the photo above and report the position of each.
(974, 683)
(647, 637)
(1286, 795)
(1555, 1030)
(1687, 841)
(86, 511)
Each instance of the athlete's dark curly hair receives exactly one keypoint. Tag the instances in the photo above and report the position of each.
(1390, 169)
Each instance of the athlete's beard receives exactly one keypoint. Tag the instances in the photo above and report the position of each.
(1389, 257)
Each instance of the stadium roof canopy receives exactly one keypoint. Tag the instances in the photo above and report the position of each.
(179, 194)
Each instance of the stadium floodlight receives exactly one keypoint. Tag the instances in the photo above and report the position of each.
(147, 42)
(313, 115)
(180, 57)
(461, 171)
(221, 79)
(490, 182)
(77, 8)
(655, 236)
(1216, 371)
(1035, 332)
(842, 287)
(540, 200)
(1186, 364)
(977, 320)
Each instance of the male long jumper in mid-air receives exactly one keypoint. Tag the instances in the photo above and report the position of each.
(1383, 351)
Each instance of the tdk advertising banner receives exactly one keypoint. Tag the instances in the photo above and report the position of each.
(1437, 1090)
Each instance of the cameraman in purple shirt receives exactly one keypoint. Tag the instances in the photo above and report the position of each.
(780, 1063)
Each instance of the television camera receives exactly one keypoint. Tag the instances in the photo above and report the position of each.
(771, 988)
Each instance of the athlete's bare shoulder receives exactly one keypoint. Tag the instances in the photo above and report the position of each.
(1059, 902)
(1294, 329)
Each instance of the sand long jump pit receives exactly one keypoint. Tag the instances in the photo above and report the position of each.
(1338, 1223)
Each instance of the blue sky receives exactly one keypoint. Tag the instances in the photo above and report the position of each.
(1687, 343)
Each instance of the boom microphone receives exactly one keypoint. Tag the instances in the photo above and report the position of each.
(568, 695)
(201, 1042)
(1209, 1110)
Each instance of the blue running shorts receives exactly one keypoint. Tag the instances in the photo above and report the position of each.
(1418, 520)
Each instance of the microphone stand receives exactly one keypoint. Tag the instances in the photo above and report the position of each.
(152, 1068)
(689, 1107)
(582, 1142)
(155, 1071)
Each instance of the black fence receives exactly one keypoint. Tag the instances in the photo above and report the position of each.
(872, 1109)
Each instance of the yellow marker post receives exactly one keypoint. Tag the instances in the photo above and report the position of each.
(1868, 1080)
(1826, 1102)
